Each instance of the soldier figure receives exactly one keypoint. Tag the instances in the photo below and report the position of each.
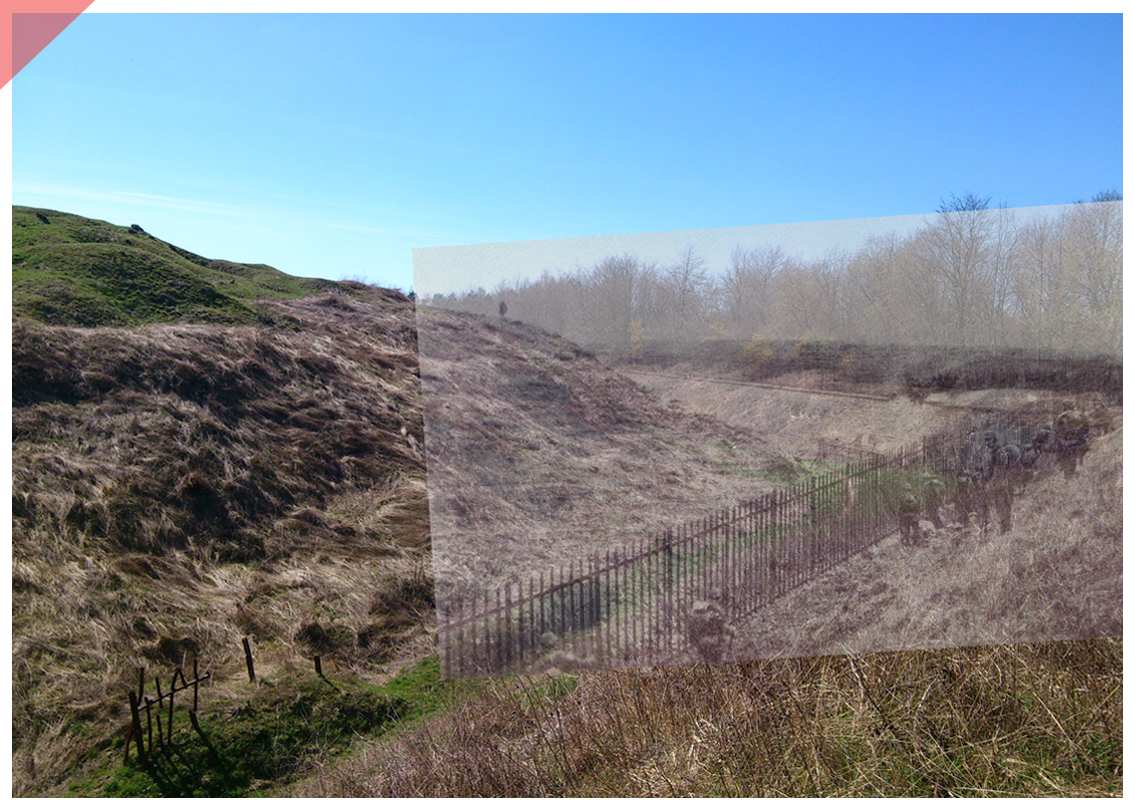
(963, 497)
(1029, 455)
(979, 475)
(1009, 455)
(1000, 489)
(503, 309)
(984, 459)
(982, 504)
(1072, 429)
(933, 492)
(998, 484)
(709, 629)
(908, 511)
(1033, 449)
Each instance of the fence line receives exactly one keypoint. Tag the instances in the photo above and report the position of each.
(629, 605)
(153, 708)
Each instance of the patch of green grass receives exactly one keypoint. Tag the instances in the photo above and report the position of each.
(423, 691)
(270, 737)
(69, 270)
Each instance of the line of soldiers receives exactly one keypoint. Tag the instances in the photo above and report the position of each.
(992, 476)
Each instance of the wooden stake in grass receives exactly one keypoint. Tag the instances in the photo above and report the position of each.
(149, 724)
(160, 735)
(135, 731)
(172, 691)
(248, 660)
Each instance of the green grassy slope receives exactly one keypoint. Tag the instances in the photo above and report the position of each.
(73, 271)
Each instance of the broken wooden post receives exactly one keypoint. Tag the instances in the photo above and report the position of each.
(135, 731)
(149, 724)
(160, 735)
(248, 660)
(172, 691)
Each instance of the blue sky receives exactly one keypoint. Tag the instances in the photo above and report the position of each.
(333, 145)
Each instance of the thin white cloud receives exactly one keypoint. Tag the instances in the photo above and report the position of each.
(46, 193)
(50, 190)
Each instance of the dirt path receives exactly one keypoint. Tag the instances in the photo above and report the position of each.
(766, 386)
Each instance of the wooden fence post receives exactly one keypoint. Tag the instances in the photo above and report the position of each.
(135, 731)
(248, 660)
(573, 626)
(610, 616)
(149, 724)
(543, 598)
(169, 723)
(160, 735)
(653, 616)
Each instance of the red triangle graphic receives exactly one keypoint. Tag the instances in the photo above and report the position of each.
(31, 32)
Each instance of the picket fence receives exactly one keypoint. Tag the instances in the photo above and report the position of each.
(628, 606)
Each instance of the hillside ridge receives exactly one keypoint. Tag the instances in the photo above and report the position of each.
(69, 270)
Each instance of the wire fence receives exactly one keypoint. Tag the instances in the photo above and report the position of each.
(631, 605)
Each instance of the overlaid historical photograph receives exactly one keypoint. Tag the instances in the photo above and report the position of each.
(908, 443)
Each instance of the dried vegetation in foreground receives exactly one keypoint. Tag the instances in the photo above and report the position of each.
(1032, 720)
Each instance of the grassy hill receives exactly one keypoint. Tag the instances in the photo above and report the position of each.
(70, 270)
(204, 451)
(253, 466)
(177, 487)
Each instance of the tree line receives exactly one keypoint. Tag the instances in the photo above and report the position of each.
(971, 277)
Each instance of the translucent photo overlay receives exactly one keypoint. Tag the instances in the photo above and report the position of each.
(795, 440)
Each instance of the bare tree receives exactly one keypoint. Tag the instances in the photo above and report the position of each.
(1040, 287)
(1002, 257)
(956, 250)
(886, 295)
(968, 202)
(746, 288)
(1109, 195)
(686, 282)
(1094, 253)
(617, 289)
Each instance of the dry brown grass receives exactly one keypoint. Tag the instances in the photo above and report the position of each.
(1031, 720)
(540, 455)
(176, 488)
